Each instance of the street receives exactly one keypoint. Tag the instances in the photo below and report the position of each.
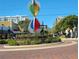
(68, 52)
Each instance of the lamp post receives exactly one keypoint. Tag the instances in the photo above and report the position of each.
(2, 31)
(9, 32)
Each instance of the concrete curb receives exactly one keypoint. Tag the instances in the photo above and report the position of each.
(28, 46)
(37, 48)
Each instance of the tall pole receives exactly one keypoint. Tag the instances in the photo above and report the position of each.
(2, 31)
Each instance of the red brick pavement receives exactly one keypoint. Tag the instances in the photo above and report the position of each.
(1, 46)
(69, 52)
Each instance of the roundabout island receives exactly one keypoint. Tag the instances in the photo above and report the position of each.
(66, 49)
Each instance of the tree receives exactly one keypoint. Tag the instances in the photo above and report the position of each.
(68, 21)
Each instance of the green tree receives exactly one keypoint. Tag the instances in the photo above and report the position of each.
(68, 21)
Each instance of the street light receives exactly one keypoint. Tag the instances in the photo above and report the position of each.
(2, 31)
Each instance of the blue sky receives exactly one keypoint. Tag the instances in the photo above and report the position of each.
(49, 9)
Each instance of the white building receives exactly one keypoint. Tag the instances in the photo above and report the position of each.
(11, 21)
(59, 18)
(14, 19)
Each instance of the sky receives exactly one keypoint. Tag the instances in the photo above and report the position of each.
(49, 9)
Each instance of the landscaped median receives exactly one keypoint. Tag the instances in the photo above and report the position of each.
(53, 42)
(57, 44)
(33, 41)
(38, 47)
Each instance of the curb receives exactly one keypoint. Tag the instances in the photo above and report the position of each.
(31, 46)
(37, 48)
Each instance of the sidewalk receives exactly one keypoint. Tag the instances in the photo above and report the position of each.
(71, 39)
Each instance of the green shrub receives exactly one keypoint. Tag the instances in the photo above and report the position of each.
(48, 40)
(36, 41)
(56, 39)
(21, 42)
(52, 39)
(3, 42)
(12, 42)
(28, 42)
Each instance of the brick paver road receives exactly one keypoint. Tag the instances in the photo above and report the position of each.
(69, 52)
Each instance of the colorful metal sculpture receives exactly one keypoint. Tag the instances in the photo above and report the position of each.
(34, 25)
(34, 8)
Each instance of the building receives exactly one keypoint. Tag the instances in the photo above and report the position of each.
(59, 18)
(11, 21)
(14, 19)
